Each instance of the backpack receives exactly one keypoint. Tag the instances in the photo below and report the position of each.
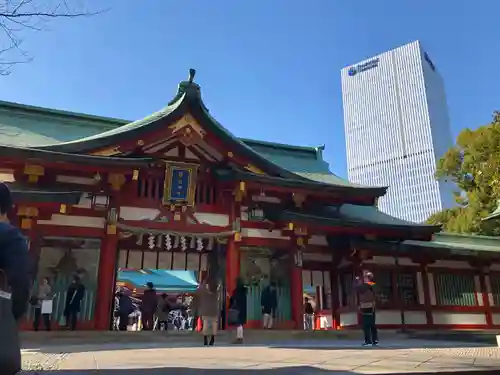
(366, 296)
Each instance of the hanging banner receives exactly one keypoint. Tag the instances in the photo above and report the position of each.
(180, 184)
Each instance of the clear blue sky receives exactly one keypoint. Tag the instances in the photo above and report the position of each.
(269, 69)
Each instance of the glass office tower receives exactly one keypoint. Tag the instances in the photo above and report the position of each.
(396, 128)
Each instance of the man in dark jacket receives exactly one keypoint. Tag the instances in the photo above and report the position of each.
(269, 303)
(74, 297)
(15, 282)
(148, 307)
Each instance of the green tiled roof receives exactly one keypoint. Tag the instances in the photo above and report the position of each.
(460, 243)
(62, 131)
(371, 214)
(306, 162)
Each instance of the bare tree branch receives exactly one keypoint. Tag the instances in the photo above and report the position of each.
(16, 16)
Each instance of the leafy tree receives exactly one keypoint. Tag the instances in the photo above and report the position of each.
(473, 164)
(20, 16)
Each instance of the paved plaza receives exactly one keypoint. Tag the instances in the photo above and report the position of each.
(291, 357)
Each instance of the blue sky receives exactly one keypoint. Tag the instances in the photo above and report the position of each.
(269, 69)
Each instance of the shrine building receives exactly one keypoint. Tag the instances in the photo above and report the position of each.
(177, 191)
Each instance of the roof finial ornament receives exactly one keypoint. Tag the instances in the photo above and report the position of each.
(192, 73)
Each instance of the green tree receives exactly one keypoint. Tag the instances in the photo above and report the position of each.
(473, 164)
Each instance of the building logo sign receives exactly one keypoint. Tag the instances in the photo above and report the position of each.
(360, 68)
(429, 61)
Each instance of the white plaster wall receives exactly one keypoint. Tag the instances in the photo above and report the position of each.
(496, 318)
(348, 319)
(76, 180)
(138, 213)
(317, 257)
(388, 317)
(263, 233)
(386, 260)
(217, 220)
(415, 317)
(458, 318)
(318, 240)
(477, 287)
(487, 280)
(450, 264)
(432, 289)
(420, 288)
(74, 221)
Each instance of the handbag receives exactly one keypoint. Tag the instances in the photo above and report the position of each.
(233, 316)
(10, 347)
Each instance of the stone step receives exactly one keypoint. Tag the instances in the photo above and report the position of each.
(34, 339)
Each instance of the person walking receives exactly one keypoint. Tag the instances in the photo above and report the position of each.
(238, 305)
(366, 300)
(308, 315)
(148, 307)
(207, 305)
(269, 303)
(15, 285)
(74, 297)
(43, 307)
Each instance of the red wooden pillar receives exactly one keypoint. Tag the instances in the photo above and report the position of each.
(296, 294)
(486, 298)
(335, 303)
(106, 279)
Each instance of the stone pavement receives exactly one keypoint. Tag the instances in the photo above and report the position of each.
(291, 357)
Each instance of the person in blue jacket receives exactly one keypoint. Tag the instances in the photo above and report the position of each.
(15, 284)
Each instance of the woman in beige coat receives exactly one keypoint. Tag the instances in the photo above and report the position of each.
(206, 302)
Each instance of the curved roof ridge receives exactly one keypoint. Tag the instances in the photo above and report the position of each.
(123, 128)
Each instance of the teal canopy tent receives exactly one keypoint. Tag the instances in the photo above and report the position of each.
(163, 280)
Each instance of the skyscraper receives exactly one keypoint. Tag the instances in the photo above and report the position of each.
(396, 128)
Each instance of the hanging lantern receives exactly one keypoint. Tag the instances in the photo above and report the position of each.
(256, 214)
(168, 242)
(100, 202)
(183, 243)
(151, 241)
(199, 244)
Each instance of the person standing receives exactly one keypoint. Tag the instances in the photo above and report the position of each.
(238, 303)
(269, 303)
(74, 297)
(125, 308)
(162, 312)
(207, 302)
(15, 284)
(43, 297)
(308, 314)
(148, 307)
(366, 300)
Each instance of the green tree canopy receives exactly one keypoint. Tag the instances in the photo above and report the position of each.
(473, 164)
